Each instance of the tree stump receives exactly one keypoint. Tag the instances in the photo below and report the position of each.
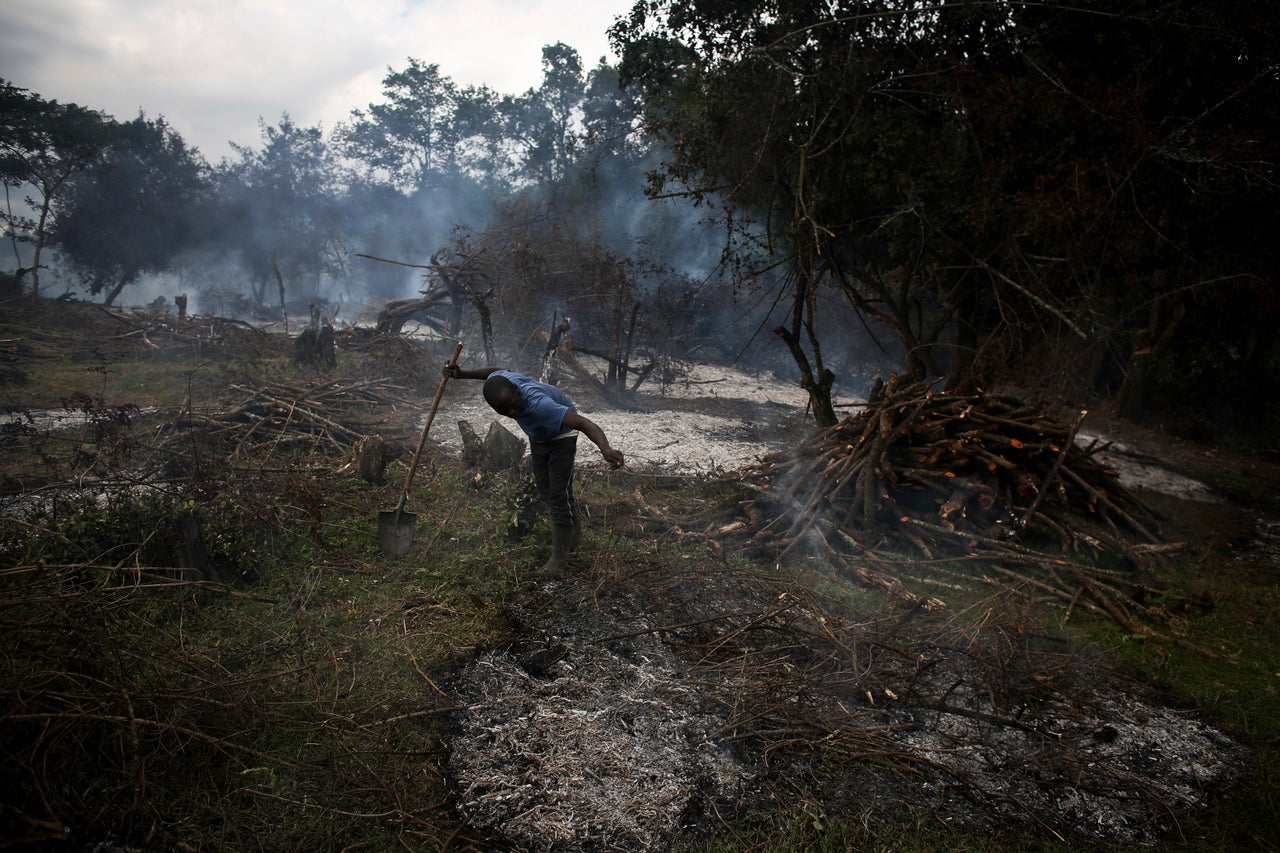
(473, 453)
(197, 565)
(503, 450)
(316, 346)
(371, 459)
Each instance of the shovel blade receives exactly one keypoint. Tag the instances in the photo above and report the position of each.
(395, 531)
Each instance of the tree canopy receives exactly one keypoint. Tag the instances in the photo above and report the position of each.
(135, 209)
(1074, 194)
(42, 145)
(980, 177)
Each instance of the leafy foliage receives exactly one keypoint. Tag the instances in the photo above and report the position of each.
(135, 210)
(42, 145)
(414, 139)
(978, 177)
(279, 207)
(1052, 192)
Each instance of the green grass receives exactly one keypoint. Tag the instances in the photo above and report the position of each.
(314, 689)
(1237, 689)
(318, 683)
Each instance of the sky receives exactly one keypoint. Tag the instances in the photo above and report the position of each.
(213, 68)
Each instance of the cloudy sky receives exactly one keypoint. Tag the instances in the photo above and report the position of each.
(213, 67)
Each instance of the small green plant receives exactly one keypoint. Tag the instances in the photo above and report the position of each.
(522, 510)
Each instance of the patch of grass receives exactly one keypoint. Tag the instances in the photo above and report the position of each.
(1237, 689)
(167, 382)
(317, 696)
(805, 824)
(299, 712)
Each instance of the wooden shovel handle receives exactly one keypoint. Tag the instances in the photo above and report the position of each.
(431, 416)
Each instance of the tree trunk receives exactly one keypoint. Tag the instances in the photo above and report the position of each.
(371, 459)
(486, 323)
(284, 314)
(624, 367)
(815, 378)
(615, 337)
(38, 248)
(111, 296)
(819, 387)
(1148, 344)
(966, 349)
(547, 374)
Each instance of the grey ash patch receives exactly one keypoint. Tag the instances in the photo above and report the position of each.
(614, 721)
(571, 740)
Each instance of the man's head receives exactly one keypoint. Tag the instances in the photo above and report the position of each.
(502, 396)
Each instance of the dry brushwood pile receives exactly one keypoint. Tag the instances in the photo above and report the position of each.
(961, 480)
(162, 333)
(334, 415)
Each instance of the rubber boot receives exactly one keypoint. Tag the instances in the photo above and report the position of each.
(575, 537)
(560, 538)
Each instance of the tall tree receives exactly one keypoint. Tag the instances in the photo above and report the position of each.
(542, 122)
(412, 138)
(1148, 223)
(134, 210)
(42, 145)
(761, 111)
(280, 209)
(611, 127)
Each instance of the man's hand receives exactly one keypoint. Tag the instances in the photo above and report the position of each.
(455, 371)
(613, 457)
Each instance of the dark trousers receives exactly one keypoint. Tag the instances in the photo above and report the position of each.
(552, 463)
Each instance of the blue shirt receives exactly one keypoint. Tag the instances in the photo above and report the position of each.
(542, 407)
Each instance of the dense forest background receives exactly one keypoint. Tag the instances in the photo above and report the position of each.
(1076, 198)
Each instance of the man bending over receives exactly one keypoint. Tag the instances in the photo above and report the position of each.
(552, 423)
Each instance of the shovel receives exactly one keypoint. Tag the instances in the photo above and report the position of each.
(395, 527)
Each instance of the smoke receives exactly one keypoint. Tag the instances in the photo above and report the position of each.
(670, 278)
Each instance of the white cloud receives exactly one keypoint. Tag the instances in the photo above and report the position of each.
(213, 68)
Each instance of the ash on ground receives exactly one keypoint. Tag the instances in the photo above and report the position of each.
(716, 418)
(1142, 472)
(712, 419)
(574, 741)
(635, 719)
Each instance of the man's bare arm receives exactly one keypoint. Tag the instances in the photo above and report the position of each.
(455, 372)
(592, 430)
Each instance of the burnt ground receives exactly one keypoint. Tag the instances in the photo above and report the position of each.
(620, 720)
(1230, 514)
(663, 689)
(636, 710)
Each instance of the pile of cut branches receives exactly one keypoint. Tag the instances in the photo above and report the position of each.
(161, 332)
(961, 479)
(333, 415)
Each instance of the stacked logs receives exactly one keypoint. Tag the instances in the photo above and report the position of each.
(942, 472)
